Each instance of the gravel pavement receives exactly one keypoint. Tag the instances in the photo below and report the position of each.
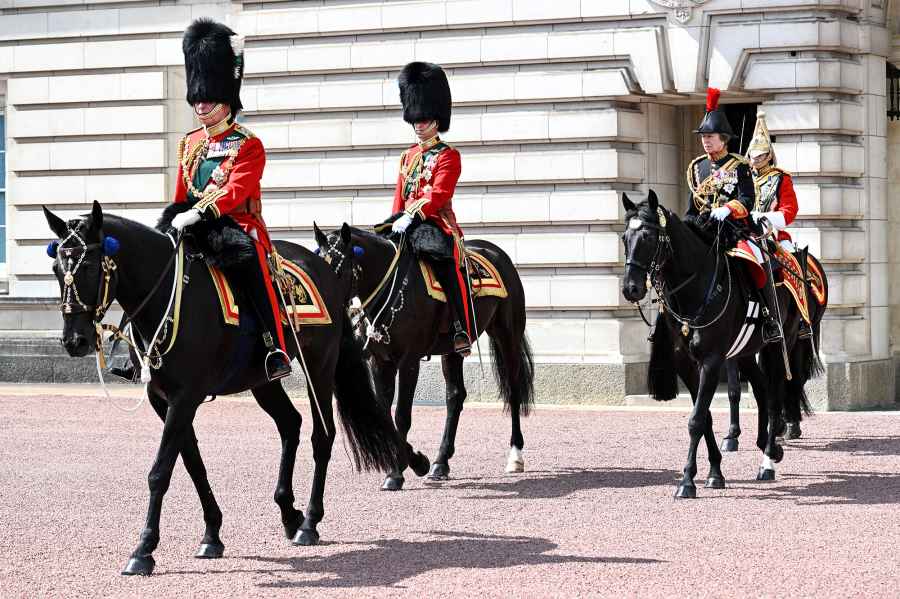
(592, 516)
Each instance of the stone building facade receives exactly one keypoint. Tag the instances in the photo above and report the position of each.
(558, 108)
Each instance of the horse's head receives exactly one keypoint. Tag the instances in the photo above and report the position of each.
(644, 232)
(86, 274)
(337, 249)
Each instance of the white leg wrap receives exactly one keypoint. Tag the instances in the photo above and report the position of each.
(516, 460)
(768, 464)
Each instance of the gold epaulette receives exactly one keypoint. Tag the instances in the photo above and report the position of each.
(692, 184)
(244, 131)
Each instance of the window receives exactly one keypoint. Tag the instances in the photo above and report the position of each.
(893, 91)
(2, 191)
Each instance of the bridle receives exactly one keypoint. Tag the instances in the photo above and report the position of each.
(664, 251)
(70, 260)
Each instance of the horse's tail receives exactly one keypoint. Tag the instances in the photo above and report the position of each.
(514, 373)
(373, 439)
(513, 363)
(662, 381)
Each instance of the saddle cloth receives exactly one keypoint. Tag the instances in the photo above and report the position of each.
(304, 302)
(485, 280)
(790, 265)
(788, 278)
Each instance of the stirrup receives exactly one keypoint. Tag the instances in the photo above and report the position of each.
(805, 331)
(461, 344)
(771, 333)
(277, 364)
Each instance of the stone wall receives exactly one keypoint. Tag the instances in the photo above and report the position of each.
(558, 108)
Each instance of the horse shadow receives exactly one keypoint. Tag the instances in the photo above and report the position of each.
(876, 445)
(389, 562)
(842, 488)
(554, 484)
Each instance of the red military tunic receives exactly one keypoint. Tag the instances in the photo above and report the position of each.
(228, 177)
(775, 193)
(425, 185)
(428, 175)
(220, 176)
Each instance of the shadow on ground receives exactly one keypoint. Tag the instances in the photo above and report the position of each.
(565, 481)
(390, 562)
(387, 563)
(872, 446)
(839, 488)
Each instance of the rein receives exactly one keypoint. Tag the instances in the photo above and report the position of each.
(665, 296)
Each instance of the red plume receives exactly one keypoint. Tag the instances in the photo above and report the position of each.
(712, 99)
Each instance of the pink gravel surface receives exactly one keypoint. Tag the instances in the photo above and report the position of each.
(592, 516)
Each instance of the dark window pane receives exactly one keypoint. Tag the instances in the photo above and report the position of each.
(2, 170)
(2, 131)
(2, 245)
(2, 209)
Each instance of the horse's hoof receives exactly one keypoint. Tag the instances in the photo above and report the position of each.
(140, 566)
(291, 528)
(793, 431)
(765, 474)
(392, 483)
(515, 462)
(420, 464)
(686, 492)
(306, 537)
(715, 482)
(439, 472)
(210, 550)
(730, 444)
(777, 453)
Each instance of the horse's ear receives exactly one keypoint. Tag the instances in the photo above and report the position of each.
(345, 234)
(57, 225)
(321, 239)
(96, 216)
(652, 200)
(627, 204)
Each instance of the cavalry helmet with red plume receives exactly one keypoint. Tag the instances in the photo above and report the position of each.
(425, 94)
(214, 63)
(715, 120)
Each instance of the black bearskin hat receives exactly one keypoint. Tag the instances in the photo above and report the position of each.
(715, 120)
(425, 94)
(214, 63)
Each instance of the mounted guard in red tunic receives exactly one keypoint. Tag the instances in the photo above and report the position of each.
(423, 197)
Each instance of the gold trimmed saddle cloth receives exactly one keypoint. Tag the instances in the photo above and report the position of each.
(484, 277)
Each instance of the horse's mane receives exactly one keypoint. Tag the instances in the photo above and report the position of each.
(120, 222)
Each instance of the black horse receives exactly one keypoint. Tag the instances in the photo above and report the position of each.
(405, 324)
(708, 315)
(796, 406)
(210, 358)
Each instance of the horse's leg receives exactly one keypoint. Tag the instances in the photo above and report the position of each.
(179, 418)
(322, 443)
(730, 442)
(698, 423)
(452, 365)
(775, 377)
(275, 402)
(211, 545)
(515, 462)
(408, 377)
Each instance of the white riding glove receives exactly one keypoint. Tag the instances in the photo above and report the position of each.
(720, 213)
(776, 219)
(401, 224)
(185, 219)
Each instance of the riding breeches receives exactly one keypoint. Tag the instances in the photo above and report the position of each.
(256, 286)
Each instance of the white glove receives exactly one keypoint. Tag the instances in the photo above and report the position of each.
(185, 219)
(776, 219)
(720, 213)
(401, 224)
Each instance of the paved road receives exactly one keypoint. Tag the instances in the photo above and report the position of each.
(593, 516)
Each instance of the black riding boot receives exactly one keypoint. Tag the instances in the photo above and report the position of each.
(249, 279)
(771, 331)
(122, 366)
(445, 272)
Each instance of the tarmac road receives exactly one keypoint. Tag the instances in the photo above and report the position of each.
(592, 516)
